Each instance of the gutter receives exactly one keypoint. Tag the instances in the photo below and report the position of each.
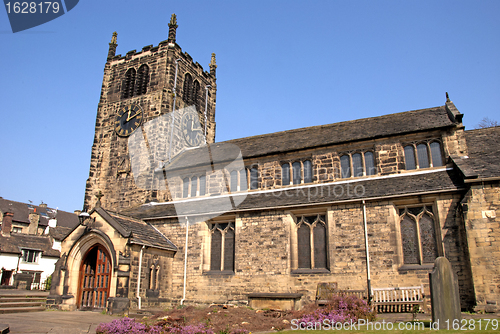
(368, 279)
(139, 278)
(485, 179)
(315, 204)
(185, 262)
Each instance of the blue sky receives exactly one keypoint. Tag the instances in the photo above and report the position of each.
(281, 65)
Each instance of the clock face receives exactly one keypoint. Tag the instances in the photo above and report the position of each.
(128, 120)
(191, 129)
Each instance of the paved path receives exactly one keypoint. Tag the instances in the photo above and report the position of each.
(55, 322)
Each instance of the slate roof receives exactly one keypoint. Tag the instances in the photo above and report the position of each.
(137, 231)
(22, 210)
(314, 194)
(322, 135)
(484, 154)
(59, 232)
(18, 241)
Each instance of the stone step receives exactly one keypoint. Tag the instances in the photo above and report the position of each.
(22, 304)
(21, 309)
(21, 299)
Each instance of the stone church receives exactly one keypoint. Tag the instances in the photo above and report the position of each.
(175, 217)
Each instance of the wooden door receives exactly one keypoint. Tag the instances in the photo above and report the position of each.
(95, 274)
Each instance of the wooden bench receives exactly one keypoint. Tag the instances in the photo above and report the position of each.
(398, 299)
(326, 291)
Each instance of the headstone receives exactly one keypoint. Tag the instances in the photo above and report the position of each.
(445, 298)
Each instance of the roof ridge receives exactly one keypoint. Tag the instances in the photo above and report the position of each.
(330, 124)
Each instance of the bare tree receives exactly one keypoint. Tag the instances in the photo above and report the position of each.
(487, 123)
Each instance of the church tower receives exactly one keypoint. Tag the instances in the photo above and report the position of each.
(137, 89)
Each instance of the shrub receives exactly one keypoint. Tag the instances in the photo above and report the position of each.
(128, 325)
(340, 308)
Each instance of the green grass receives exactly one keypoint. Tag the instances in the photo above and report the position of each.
(383, 327)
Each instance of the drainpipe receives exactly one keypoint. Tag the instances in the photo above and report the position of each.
(368, 279)
(139, 278)
(185, 261)
(206, 102)
(173, 110)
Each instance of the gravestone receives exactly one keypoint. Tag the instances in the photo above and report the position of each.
(445, 298)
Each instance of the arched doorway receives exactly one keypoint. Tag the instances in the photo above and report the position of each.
(95, 274)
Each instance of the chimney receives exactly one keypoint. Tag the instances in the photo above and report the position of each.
(7, 223)
(33, 227)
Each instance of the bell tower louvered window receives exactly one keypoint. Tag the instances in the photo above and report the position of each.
(135, 82)
(142, 80)
(187, 89)
(128, 84)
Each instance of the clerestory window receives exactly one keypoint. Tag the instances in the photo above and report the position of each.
(357, 164)
(427, 155)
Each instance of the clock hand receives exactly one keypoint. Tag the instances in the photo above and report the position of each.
(129, 117)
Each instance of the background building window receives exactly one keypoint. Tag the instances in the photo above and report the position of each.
(312, 229)
(418, 235)
(222, 247)
(30, 256)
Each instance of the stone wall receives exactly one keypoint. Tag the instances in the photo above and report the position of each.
(264, 252)
(481, 206)
(110, 166)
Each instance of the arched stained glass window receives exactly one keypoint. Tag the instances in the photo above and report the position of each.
(304, 246)
(427, 238)
(409, 240)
